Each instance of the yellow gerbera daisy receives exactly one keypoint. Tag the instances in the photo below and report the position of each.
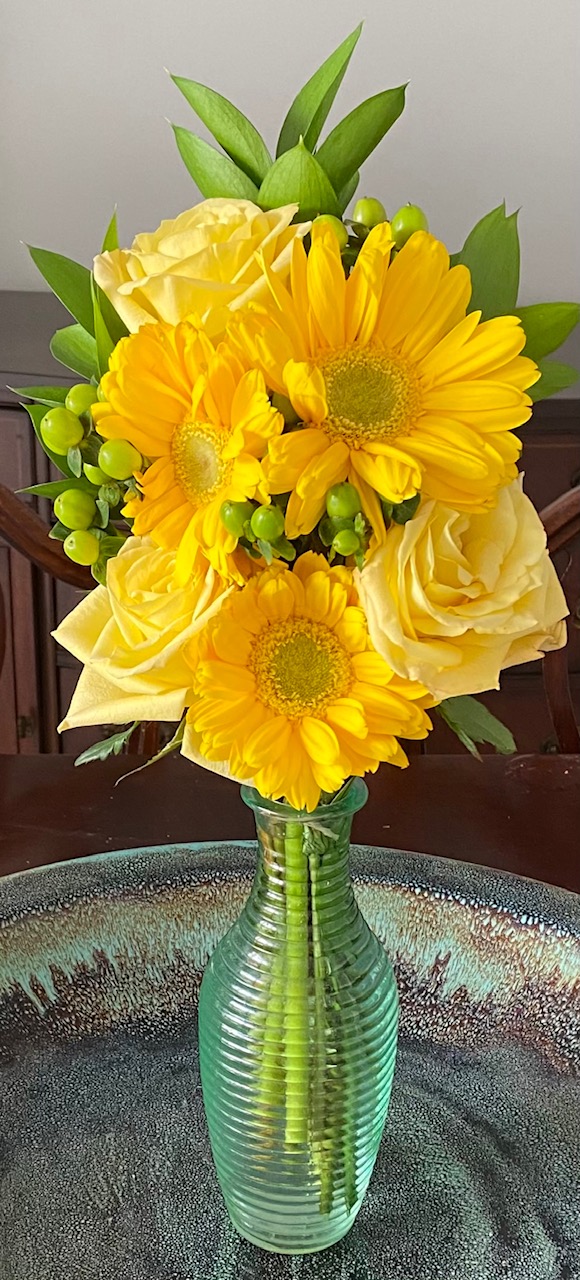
(289, 692)
(398, 389)
(204, 418)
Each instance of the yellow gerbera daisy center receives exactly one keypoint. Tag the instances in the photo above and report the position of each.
(299, 666)
(197, 459)
(370, 394)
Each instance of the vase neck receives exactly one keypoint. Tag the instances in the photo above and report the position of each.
(303, 871)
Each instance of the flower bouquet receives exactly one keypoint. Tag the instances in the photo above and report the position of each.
(291, 464)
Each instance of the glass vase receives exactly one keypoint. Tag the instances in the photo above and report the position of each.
(298, 1032)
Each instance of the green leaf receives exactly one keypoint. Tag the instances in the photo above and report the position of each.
(214, 174)
(345, 196)
(116, 328)
(312, 105)
(173, 745)
(104, 341)
(492, 254)
(36, 413)
(265, 550)
(351, 142)
(404, 511)
(297, 178)
(59, 532)
(76, 349)
(234, 132)
(555, 377)
(103, 510)
(473, 723)
(112, 746)
(51, 396)
(70, 281)
(111, 545)
(111, 238)
(546, 326)
(74, 459)
(53, 488)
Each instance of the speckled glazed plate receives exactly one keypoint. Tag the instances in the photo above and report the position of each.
(105, 1166)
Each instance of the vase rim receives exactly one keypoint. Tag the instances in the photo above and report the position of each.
(352, 799)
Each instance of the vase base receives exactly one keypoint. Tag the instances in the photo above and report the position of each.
(270, 1246)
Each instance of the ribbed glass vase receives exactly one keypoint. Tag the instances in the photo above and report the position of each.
(298, 1032)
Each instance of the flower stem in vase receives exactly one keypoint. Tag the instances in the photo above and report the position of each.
(320, 1153)
(296, 1017)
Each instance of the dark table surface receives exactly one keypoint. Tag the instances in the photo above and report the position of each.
(520, 814)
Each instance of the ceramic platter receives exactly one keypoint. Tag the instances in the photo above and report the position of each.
(105, 1167)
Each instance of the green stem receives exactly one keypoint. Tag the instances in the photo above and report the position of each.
(318, 1112)
(296, 1010)
(270, 1093)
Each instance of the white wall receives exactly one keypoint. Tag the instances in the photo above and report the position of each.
(491, 112)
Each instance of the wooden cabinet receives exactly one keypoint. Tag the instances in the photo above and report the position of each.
(38, 678)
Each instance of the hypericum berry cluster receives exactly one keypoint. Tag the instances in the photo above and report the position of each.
(102, 475)
(259, 529)
(368, 213)
(344, 529)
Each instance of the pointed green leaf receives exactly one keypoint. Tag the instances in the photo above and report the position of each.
(104, 513)
(234, 132)
(109, 747)
(51, 396)
(116, 327)
(351, 142)
(297, 178)
(492, 254)
(214, 174)
(70, 281)
(547, 325)
(58, 532)
(104, 341)
(111, 237)
(173, 745)
(36, 413)
(473, 723)
(312, 105)
(76, 349)
(345, 196)
(53, 487)
(556, 376)
(74, 459)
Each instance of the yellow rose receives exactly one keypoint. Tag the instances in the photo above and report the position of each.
(452, 599)
(131, 637)
(203, 262)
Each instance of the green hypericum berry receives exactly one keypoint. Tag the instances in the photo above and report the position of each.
(329, 527)
(119, 459)
(82, 547)
(346, 542)
(94, 474)
(335, 224)
(406, 222)
(100, 393)
(61, 430)
(80, 397)
(234, 515)
(75, 509)
(267, 523)
(369, 212)
(343, 500)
